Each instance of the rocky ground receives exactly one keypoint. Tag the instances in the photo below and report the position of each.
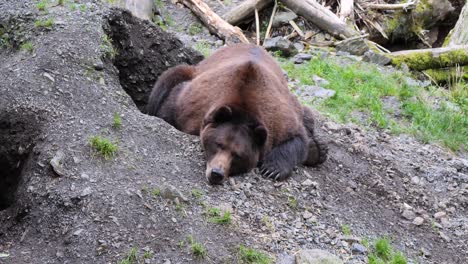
(61, 202)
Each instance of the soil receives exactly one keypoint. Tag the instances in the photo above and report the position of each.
(86, 209)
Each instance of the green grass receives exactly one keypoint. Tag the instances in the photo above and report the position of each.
(104, 146)
(42, 5)
(47, 23)
(195, 28)
(204, 48)
(382, 252)
(61, 2)
(27, 46)
(156, 192)
(292, 202)
(117, 121)
(197, 248)
(361, 88)
(107, 48)
(346, 230)
(253, 256)
(219, 217)
(131, 257)
(198, 194)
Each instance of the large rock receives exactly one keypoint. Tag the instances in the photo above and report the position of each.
(316, 256)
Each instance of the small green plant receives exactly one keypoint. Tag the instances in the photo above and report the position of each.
(42, 5)
(195, 29)
(203, 47)
(253, 256)
(197, 193)
(197, 248)
(48, 23)
(267, 222)
(107, 48)
(156, 192)
(147, 255)
(292, 202)
(117, 121)
(104, 146)
(82, 8)
(27, 46)
(131, 257)
(61, 2)
(382, 252)
(219, 217)
(346, 230)
(73, 6)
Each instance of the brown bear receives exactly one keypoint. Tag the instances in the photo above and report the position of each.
(238, 102)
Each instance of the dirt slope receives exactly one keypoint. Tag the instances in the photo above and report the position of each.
(53, 100)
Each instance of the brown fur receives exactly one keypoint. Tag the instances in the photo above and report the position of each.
(249, 81)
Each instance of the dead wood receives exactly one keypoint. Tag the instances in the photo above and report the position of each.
(459, 34)
(346, 9)
(424, 59)
(321, 17)
(404, 6)
(215, 23)
(245, 11)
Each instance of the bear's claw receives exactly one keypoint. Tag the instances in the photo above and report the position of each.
(274, 174)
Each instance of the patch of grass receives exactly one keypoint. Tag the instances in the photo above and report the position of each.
(197, 248)
(156, 192)
(204, 48)
(42, 5)
(73, 6)
(82, 8)
(346, 230)
(197, 193)
(147, 255)
(382, 252)
(292, 202)
(131, 258)
(107, 48)
(219, 217)
(195, 28)
(61, 2)
(47, 23)
(27, 46)
(117, 121)
(253, 256)
(362, 88)
(104, 146)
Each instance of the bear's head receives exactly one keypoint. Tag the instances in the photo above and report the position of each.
(233, 142)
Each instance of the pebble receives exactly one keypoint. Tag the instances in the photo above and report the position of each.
(357, 248)
(439, 215)
(316, 256)
(408, 214)
(418, 221)
(307, 215)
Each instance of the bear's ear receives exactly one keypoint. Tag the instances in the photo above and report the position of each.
(260, 135)
(219, 115)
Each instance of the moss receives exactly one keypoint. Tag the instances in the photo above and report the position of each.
(445, 75)
(426, 60)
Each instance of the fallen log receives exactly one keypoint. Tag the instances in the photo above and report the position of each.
(346, 9)
(321, 17)
(215, 24)
(424, 59)
(245, 11)
(404, 6)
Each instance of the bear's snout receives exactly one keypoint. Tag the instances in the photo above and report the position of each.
(216, 176)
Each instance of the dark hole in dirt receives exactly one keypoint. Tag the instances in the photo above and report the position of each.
(144, 51)
(17, 135)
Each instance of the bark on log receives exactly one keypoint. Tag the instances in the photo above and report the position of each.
(459, 34)
(346, 9)
(215, 23)
(424, 59)
(404, 6)
(321, 17)
(245, 11)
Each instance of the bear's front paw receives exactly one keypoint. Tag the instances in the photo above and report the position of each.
(318, 152)
(274, 171)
